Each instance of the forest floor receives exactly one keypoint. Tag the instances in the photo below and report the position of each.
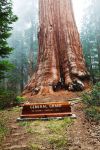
(65, 134)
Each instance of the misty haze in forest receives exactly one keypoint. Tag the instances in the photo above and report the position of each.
(24, 40)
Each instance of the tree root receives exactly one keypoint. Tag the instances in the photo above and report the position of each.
(70, 84)
(76, 85)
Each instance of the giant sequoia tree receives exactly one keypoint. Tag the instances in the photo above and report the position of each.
(60, 57)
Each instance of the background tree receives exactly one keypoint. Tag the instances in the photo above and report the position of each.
(24, 42)
(6, 20)
(90, 35)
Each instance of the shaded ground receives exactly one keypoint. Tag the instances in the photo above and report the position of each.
(64, 134)
(83, 135)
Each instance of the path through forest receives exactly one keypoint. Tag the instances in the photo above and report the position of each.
(65, 134)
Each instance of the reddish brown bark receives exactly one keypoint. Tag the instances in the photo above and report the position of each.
(60, 56)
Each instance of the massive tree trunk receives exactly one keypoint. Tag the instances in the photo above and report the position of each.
(60, 57)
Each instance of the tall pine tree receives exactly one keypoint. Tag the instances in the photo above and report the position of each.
(6, 19)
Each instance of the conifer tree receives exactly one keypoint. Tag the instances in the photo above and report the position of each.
(6, 20)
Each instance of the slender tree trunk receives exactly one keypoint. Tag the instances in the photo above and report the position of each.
(60, 56)
(31, 55)
(22, 82)
(98, 48)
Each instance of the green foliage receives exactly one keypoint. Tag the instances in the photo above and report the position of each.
(5, 66)
(57, 128)
(24, 124)
(19, 99)
(92, 102)
(58, 141)
(93, 113)
(7, 98)
(3, 127)
(25, 43)
(92, 98)
(6, 20)
(34, 147)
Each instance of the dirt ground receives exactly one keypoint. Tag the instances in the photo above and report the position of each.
(66, 134)
(83, 135)
(60, 96)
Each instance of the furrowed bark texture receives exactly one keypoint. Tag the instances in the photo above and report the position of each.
(60, 56)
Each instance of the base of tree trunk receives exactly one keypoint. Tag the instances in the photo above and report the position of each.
(46, 90)
(74, 86)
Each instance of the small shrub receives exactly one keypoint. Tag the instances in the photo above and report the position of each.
(93, 113)
(92, 102)
(92, 98)
(19, 99)
(7, 98)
